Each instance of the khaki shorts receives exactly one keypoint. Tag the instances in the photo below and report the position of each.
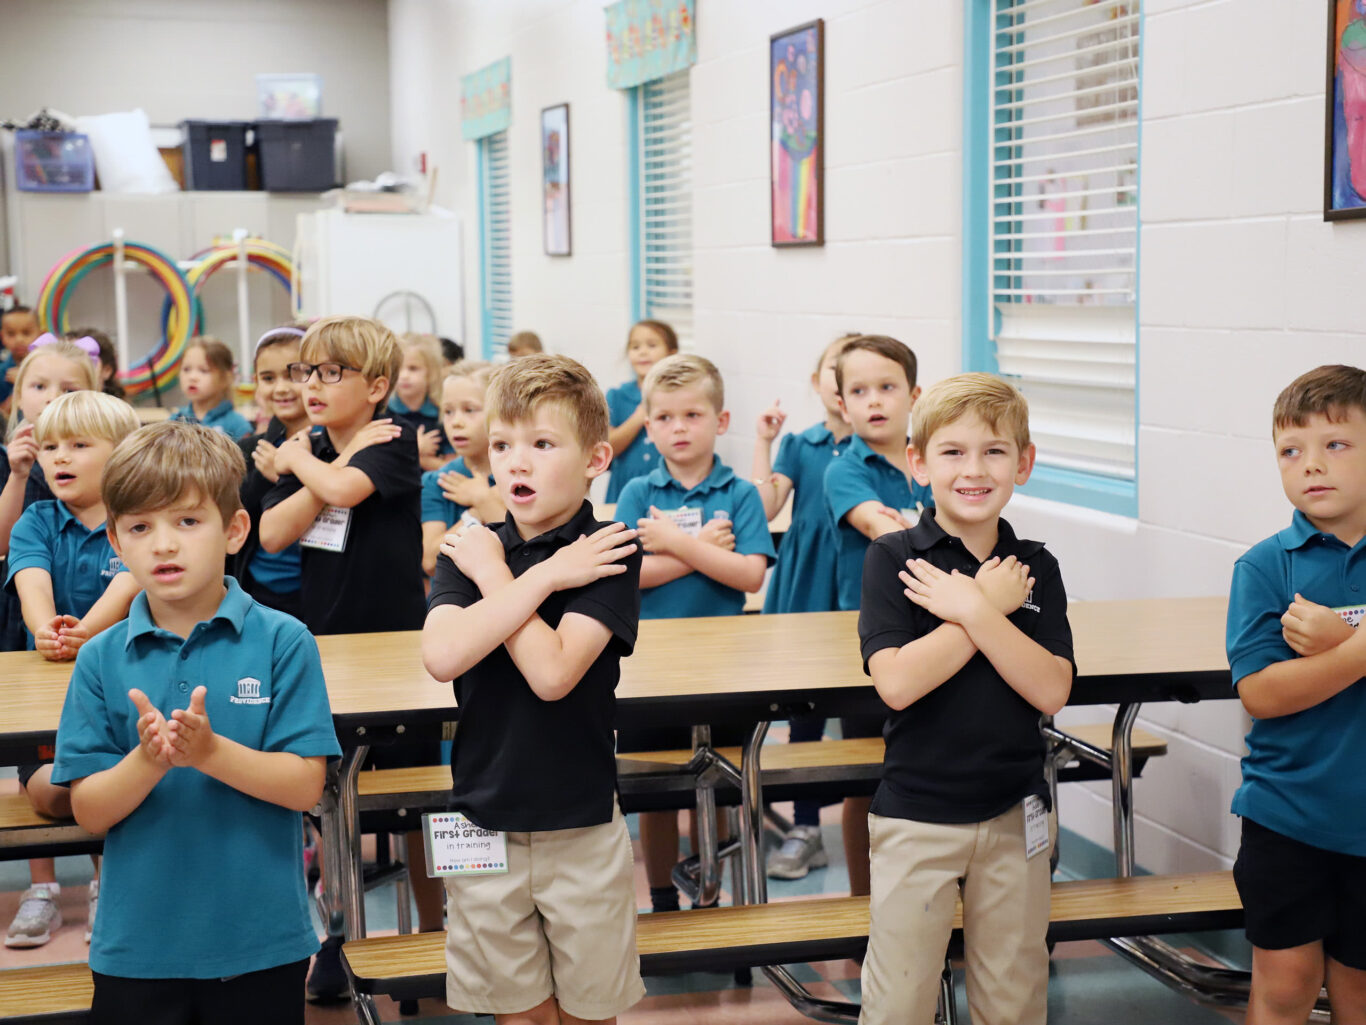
(560, 922)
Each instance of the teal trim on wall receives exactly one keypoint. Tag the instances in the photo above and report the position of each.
(485, 317)
(1091, 490)
(633, 200)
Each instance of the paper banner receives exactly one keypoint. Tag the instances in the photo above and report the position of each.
(648, 39)
(486, 100)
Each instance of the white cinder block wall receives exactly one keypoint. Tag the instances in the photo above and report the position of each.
(1242, 284)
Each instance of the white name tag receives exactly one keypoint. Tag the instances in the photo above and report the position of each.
(687, 519)
(1036, 826)
(912, 516)
(455, 846)
(1351, 614)
(328, 530)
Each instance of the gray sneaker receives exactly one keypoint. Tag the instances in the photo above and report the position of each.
(38, 916)
(93, 902)
(801, 851)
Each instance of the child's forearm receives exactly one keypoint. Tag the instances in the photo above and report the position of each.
(554, 661)
(742, 572)
(433, 533)
(620, 437)
(36, 604)
(1284, 688)
(489, 507)
(455, 638)
(113, 604)
(332, 483)
(1032, 671)
(285, 523)
(11, 507)
(904, 675)
(773, 487)
(102, 800)
(657, 570)
(869, 521)
(277, 777)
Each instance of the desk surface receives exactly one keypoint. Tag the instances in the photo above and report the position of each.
(1126, 650)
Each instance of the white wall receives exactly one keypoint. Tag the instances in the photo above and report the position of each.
(1242, 285)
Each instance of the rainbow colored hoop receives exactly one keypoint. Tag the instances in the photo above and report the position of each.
(261, 253)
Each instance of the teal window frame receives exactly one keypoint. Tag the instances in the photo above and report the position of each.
(495, 296)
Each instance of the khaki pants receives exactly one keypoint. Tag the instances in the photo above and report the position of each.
(917, 871)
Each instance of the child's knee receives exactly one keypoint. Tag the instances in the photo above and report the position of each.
(1288, 980)
(46, 798)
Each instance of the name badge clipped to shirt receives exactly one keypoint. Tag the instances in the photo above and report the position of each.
(1351, 614)
(328, 530)
(912, 516)
(455, 846)
(686, 518)
(1036, 826)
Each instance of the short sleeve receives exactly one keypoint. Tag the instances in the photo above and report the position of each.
(887, 618)
(287, 485)
(1253, 633)
(750, 525)
(1052, 631)
(634, 503)
(847, 485)
(393, 467)
(788, 462)
(435, 505)
(450, 586)
(619, 406)
(300, 716)
(614, 602)
(30, 542)
(87, 740)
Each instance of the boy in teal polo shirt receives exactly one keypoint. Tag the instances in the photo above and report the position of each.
(706, 541)
(194, 733)
(1298, 664)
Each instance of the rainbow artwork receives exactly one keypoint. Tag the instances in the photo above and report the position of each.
(795, 119)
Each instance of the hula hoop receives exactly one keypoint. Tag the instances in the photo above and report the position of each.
(261, 254)
(159, 366)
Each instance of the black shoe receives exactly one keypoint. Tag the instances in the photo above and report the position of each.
(327, 980)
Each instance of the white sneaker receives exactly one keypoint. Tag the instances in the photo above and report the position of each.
(800, 852)
(93, 902)
(37, 918)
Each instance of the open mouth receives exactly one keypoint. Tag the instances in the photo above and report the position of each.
(523, 493)
(316, 405)
(168, 571)
(973, 492)
(459, 441)
(877, 420)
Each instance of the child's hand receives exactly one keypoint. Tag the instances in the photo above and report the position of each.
(1310, 629)
(48, 640)
(658, 534)
(153, 742)
(189, 735)
(720, 533)
(462, 490)
(73, 634)
(894, 514)
(23, 450)
(591, 557)
(428, 441)
(376, 432)
(474, 550)
(12, 374)
(263, 455)
(770, 422)
(952, 597)
(1005, 584)
(295, 445)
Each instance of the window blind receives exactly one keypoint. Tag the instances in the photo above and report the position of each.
(1064, 222)
(665, 176)
(495, 212)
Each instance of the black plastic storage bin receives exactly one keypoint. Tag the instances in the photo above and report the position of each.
(215, 154)
(297, 156)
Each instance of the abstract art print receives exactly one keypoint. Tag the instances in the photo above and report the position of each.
(796, 75)
(555, 178)
(1344, 145)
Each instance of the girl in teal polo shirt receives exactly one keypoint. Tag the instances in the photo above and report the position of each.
(206, 374)
(633, 454)
(415, 397)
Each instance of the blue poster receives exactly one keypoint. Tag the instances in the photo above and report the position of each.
(648, 39)
(486, 100)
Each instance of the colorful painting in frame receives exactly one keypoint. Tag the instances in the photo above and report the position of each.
(796, 75)
(1344, 144)
(555, 178)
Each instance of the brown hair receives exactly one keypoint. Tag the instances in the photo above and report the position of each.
(1331, 391)
(997, 402)
(218, 354)
(86, 414)
(527, 340)
(883, 345)
(517, 389)
(109, 358)
(662, 329)
(162, 463)
(682, 370)
(357, 342)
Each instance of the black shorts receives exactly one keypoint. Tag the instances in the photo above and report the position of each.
(273, 996)
(1295, 894)
(679, 738)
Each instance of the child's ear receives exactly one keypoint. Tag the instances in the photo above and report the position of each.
(377, 390)
(919, 469)
(844, 413)
(1026, 466)
(599, 459)
(236, 529)
(915, 394)
(113, 536)
(722, 421)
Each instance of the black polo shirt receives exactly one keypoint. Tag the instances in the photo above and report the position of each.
(519, 762)
(971, 748)
(376, 582)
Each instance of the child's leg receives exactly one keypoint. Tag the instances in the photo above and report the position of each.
(659, 851)
(854, 817)
(915, 871)
(1285, 984)
(429, 893)
(47, 798)
(1005, 924)
(1347, 993)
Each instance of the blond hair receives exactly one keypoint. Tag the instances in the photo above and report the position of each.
(85, 368)
(429, 349)
(525, 341)
(85, 414)
(517, 389)
(682, 370)
(477, 370)
(997, 402)
(1332, 391)
(161, 464)
(359, 342)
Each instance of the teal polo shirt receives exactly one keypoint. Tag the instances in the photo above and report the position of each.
(200, 881)
(435, 504)
(720, 495)
(223, 417)
(1304, 775)
(6, 365)
(79, 559)
(427, 416)
(856, 476)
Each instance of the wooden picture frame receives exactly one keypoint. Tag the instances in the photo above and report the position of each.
(796, 118)
(1344, 137)
(556, 231)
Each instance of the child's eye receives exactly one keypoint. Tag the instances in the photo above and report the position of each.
(1333, 445)
(500, 446)
(1289, 452)
(137, 528)
(545, 444)
(189, 521)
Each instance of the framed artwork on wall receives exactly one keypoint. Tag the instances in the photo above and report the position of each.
(555, 178)
(796, 110)
(1344, 138)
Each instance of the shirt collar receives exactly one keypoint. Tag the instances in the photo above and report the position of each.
(818, 434)
(218, 412)
(720, 476)
(571, 530)
(428, 407)
(927, 533)
(65, 517)
(1299, 533)
(231, 610)
(860, 449)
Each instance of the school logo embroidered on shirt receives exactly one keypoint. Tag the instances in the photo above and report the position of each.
(114, 569)
(249, 692)
(1028, 603)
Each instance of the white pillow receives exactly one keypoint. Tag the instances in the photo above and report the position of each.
(126, 159)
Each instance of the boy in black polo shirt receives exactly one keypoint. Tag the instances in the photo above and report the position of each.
(964, 632)
(531, 619)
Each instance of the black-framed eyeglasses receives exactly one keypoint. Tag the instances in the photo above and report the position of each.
(328, 373)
